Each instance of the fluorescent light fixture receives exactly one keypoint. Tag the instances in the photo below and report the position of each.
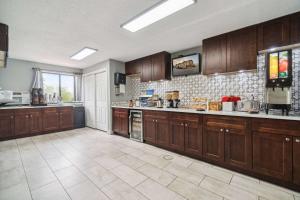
(83, 53)
(156, 13)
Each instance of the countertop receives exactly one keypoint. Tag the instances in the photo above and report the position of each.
(234, 113)
(24, 107)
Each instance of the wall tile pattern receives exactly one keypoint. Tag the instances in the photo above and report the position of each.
(244, 84)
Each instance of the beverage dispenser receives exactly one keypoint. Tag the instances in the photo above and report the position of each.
(279, 81)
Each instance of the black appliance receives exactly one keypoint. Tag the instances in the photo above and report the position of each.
(79, 117)
(120, 78)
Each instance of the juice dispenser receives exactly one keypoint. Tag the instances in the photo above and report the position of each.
(279, 81)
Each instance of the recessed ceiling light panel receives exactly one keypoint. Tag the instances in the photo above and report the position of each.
(156, 13)
(83, 53)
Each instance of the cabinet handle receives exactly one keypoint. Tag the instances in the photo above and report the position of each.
(26, 116)
(30, 116)
(153, 120)
(11, 117)
(156, 121)
(287, 139)
(182, 124)
(186, 125)
(297, 140)
(227, 131)
(221, 130)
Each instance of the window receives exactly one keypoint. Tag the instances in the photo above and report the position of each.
(61, 84)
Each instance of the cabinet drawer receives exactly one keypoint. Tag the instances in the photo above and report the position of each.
(225, 122)
(5, 112)
(282, 127)
(186, 117)
(156, 114)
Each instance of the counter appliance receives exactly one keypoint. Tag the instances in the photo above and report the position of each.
(136, 125)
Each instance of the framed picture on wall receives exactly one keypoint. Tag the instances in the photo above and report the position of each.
(186, 65)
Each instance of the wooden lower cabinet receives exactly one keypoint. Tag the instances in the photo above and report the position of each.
(272, 155)
(162, 132)
(66, 118)
(149, 129)
(193, 137)
(228, 139)
(22, 123)
(36, 121)
(51, 119)
(296, 160)
(177, 129)
(120, 121)
(7, 123)
(213, 143)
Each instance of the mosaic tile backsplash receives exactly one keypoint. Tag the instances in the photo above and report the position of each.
(243, 84)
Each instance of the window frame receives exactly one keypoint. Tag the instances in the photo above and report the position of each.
(59, 82)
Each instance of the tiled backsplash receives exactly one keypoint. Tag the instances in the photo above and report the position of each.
(244, 84)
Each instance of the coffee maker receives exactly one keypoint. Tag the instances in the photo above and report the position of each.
(279, 81)
(172, 99)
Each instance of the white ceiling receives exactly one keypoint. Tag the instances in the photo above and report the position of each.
(50, 31)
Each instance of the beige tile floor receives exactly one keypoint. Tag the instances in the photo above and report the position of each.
(86, 164)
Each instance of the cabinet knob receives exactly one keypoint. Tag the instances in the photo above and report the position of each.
(11, 117)
(297, 140)
(186, 125)
(30, 116)
(26, 116)
(156, 120)
(182, 124)
(153, 120)
(227, 130)
(287, 139)
(221, 130)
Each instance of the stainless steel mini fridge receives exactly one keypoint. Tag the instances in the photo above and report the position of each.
(136, 125)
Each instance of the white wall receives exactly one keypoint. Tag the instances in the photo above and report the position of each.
(18, 74)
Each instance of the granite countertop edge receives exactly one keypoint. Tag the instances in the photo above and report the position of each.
(233, 113)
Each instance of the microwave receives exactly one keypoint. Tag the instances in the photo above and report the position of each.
(20, 98)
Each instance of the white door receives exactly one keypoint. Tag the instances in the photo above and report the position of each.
(89, 100)
(101, 101)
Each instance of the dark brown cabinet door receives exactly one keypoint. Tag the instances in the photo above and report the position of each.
(242, 49)
(6, 124)
(133, 67)
(193, 138)
(123, 123)
(116, 121)
(214, 55)
(272, 155)
(296, 160)
(51, 120)
(36, 121)
(146, 75)
(161, 67)
(22, 123)
(66, 116)
(162, 132)
(238, 147)
(149, 129)
(295, 28)
(274, 33)
(177, 128)
(3, 37)
(213, 143)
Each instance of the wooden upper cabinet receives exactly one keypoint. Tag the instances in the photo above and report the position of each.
(161, 66)
(296, 160)
(274, 33)
(3, 37)
(133, 67)
(7, 123)
(295, 28)
(146, 64)
(214, 55)
(242, 49)
(272, 155)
